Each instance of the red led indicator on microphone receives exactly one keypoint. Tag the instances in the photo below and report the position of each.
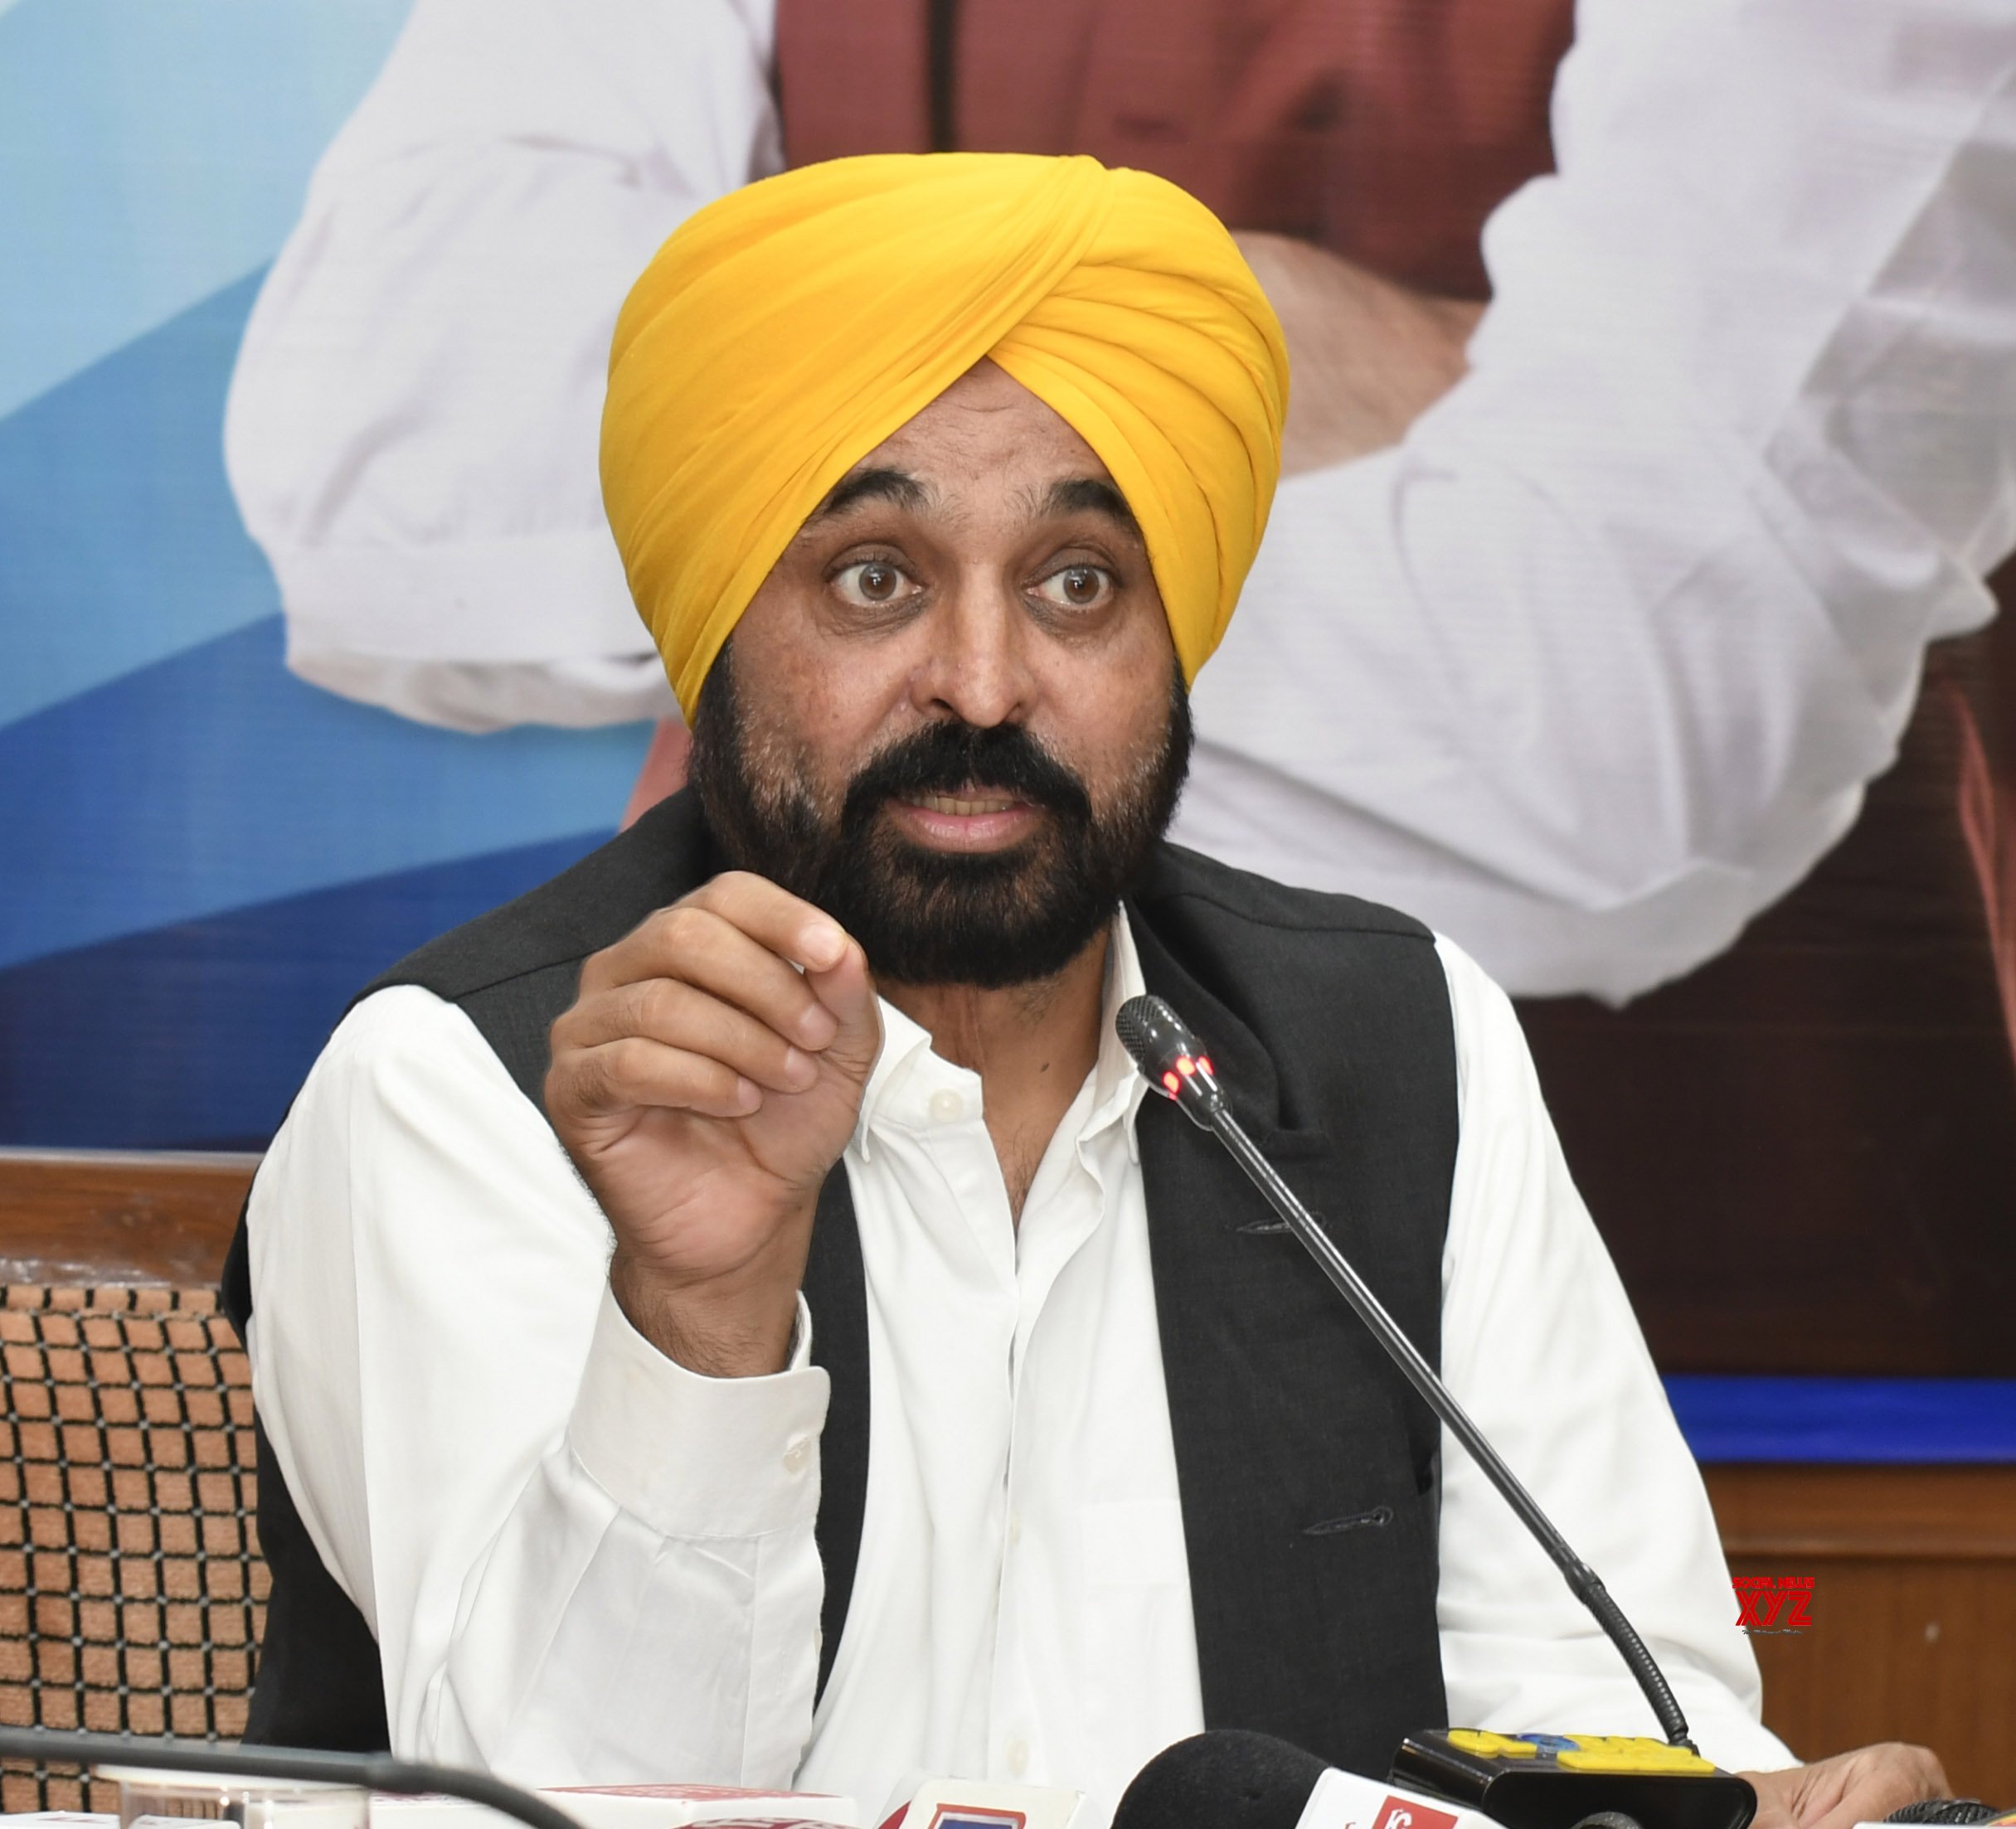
(1172, 1083)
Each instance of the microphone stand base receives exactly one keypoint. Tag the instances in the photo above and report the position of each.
(1557, 1781)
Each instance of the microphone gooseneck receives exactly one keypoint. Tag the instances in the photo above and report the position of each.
(1174, 1062)
(367, 1771)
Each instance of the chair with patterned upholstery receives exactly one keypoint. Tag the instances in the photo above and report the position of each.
(132, 1591)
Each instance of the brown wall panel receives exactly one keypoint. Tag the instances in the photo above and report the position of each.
(1914, 1609)
(1803, 1155)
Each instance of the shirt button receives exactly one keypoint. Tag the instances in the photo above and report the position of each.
(1018, 1757)
(796, 1456)
(947, 1108)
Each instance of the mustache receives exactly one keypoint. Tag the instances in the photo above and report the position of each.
(944, 758)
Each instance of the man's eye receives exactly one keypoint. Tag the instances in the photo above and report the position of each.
(871, 583)
(1077, 587)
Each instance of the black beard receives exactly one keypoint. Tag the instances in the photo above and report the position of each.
(930, 917)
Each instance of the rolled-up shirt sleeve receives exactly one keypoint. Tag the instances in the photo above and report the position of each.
(412, 425)
(1595, 663)
(582, 1562)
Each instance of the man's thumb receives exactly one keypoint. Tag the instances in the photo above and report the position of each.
(848, 991)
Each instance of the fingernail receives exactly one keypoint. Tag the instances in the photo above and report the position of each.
(822, 946)
(799, 1068)
(748, 1095)
(818, 1027)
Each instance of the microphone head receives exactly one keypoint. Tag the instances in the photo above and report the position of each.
(1153, 1034)
(1228, 1778)
(1170, 1058)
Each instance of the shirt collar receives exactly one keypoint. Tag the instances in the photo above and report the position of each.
(1117, 1085)
(1117, 1089)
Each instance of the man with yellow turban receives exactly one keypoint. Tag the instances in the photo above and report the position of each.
(733, 1314)
(778, 337)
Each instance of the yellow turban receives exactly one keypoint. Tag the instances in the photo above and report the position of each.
(783, 332)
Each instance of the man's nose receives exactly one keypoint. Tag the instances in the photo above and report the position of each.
(977, 665)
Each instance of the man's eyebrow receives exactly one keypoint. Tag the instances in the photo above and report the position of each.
(1076, 495)
(882, 485)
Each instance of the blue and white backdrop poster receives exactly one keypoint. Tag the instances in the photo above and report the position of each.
(202, 858)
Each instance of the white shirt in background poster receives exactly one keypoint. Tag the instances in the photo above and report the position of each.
(1587, 671)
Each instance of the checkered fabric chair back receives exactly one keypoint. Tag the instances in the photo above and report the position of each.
(132, 1591)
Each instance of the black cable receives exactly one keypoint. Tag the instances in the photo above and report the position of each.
(367, 1771)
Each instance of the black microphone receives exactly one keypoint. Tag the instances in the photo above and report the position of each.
(365, 1771)
(1174, 1062)
(1221, 1779)
(1966, 1811)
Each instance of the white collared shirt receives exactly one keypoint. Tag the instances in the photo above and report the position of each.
(586, 1564)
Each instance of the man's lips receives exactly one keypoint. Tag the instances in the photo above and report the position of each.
(974, 818)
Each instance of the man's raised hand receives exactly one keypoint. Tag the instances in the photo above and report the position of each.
(705, 1081)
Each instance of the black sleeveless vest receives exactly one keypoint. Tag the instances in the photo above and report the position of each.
(1306, 1466)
